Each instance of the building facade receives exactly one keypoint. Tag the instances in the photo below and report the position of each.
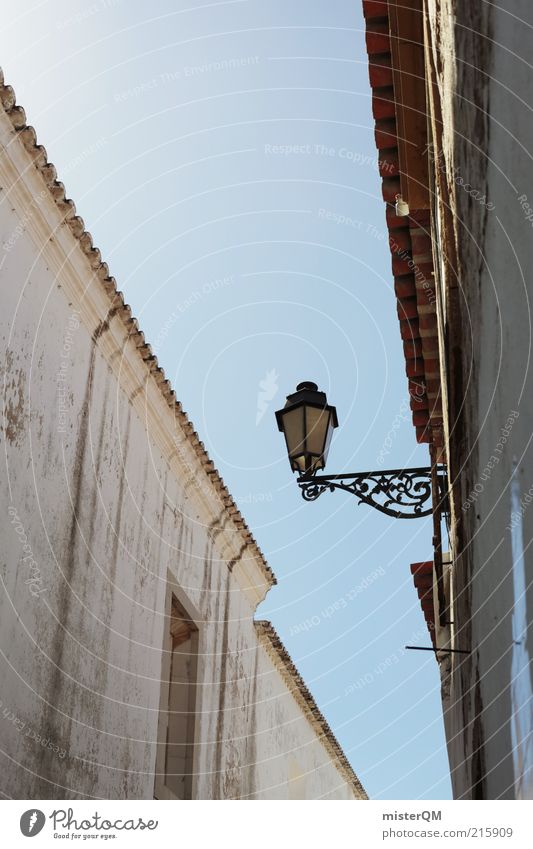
(131, 664)
(451, 91)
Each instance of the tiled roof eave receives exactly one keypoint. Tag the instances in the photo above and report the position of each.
(27, 136)
(298, 687)
(423, 580)
(409, 240)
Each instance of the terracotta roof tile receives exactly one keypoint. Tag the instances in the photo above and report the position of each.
(423, 579)
(409, 236)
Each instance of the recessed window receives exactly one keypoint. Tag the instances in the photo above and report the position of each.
(177, 715)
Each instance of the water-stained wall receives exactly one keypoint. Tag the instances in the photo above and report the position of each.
(105, 506)
(484, 207)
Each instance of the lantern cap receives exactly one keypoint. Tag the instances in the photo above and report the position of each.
(307, 392)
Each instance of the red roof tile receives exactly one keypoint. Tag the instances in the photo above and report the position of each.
(423, 579)
(409, 239)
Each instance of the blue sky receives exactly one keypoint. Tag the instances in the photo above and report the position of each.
(222, 155)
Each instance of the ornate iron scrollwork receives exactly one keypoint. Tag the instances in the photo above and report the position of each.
(400, 493)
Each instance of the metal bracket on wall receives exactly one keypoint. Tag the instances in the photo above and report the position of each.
(399, 493)
(446, 651)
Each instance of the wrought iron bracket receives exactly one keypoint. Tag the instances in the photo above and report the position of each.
(400, 493)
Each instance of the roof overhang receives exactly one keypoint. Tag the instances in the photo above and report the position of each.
(395, 46)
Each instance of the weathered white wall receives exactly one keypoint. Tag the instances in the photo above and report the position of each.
(485, 91)
(93, 502)
(286, 748)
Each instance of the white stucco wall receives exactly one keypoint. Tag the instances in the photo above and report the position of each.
(97, 510)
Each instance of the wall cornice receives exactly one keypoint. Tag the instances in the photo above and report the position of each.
(59, 234)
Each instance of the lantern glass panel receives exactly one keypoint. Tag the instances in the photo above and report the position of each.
(317, 427)
(293, 427)
(329, 434)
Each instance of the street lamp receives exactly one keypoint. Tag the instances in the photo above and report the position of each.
(307, 422)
